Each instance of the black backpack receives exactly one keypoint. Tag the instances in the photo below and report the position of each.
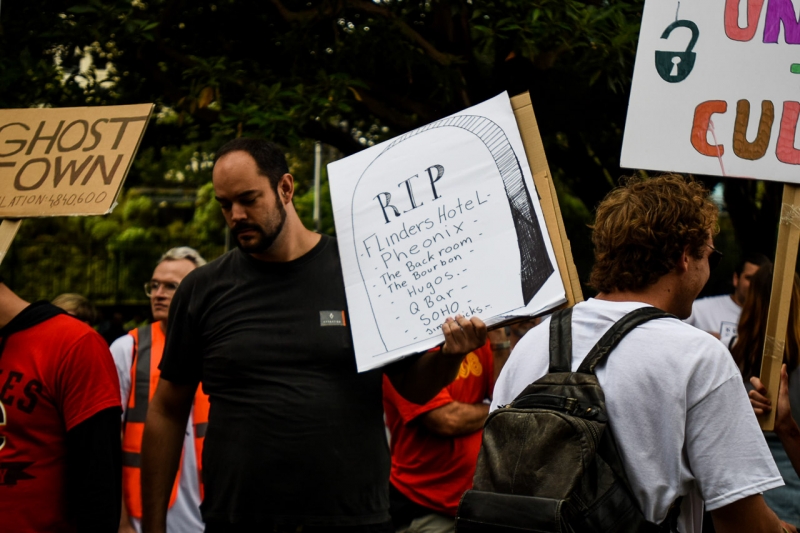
(546, 463)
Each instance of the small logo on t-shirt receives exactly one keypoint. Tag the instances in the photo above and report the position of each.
(470, 365)
(332, 318)
(727, 331)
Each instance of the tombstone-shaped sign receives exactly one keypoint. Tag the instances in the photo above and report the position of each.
(441, 221)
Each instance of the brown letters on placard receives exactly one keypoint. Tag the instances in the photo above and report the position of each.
(757, 148)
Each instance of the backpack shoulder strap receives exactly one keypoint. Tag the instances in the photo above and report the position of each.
(612, 337)
(561, 341)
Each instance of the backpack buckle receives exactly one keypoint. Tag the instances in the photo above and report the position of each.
(570, 405)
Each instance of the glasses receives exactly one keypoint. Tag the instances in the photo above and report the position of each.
(714, 257)
(152, 286)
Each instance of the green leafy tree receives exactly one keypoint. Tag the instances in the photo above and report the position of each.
(347, 73)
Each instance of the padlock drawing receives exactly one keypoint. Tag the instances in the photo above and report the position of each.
(674, 67)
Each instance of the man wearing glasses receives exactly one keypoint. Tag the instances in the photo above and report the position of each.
(681, 420)
(137, 356)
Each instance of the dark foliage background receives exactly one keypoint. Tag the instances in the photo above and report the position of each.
(347, 73)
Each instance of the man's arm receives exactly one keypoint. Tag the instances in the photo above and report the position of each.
(455, 419)
(501, 349)
(122, 353)
(421, 380)
(749, 514)
(125, 524)
(785, 426)
(164, 431)
(94, 472)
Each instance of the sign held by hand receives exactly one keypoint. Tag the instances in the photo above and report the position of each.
(441, 221)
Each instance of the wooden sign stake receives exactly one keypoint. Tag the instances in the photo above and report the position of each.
(8, 229)
(781, 298)
(534, 148)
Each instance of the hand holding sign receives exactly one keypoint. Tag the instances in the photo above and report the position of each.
(462, 335)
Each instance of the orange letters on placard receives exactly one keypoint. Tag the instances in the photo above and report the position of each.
(702, 115)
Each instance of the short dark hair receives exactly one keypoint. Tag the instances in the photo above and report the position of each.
(754, 258)
(268, 156)
(643, 227)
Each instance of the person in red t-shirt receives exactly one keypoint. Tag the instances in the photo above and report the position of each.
(435, 446)
(60, 458)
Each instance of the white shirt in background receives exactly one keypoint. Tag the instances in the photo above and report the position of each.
(716, 314)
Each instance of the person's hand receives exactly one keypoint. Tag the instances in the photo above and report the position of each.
(789, 528)
(762, 405)
(758, 397)
(463, 335)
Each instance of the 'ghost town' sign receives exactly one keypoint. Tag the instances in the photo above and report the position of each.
(68, 161)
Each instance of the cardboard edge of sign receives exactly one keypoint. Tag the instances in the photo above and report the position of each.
(543, 180)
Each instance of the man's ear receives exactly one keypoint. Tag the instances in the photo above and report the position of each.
(286, 188)
(682, 265)
(735, 280)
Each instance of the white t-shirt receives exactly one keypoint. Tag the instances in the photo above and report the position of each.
(677, 408)
(716, 314)
(184, 516)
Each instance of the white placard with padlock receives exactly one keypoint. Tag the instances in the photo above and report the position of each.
(716, 89)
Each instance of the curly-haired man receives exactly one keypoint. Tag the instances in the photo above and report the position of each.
(677, 408)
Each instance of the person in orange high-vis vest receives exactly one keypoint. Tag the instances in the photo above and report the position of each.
(137, 356)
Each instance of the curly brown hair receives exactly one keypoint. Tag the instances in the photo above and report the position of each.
(642, 228)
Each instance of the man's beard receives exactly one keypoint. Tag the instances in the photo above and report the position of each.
(266, 236)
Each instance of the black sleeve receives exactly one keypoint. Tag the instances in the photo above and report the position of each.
(94, 472)
(181, 363)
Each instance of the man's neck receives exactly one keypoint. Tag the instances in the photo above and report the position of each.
(10, 305)
(163, 325)
(631, 296)
(737, 302)
(294, 242)
(664, 294)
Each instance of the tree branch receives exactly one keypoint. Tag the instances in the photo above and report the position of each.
(367, 6)
(301, 16)
(442, 58)
(342, 140)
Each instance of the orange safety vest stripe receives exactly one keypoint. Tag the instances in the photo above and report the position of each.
(148, 347)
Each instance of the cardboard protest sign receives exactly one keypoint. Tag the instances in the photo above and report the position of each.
(715, 90)
(443, 220)
(68, 161)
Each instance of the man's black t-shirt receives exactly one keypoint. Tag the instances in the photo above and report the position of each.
(295, 434)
